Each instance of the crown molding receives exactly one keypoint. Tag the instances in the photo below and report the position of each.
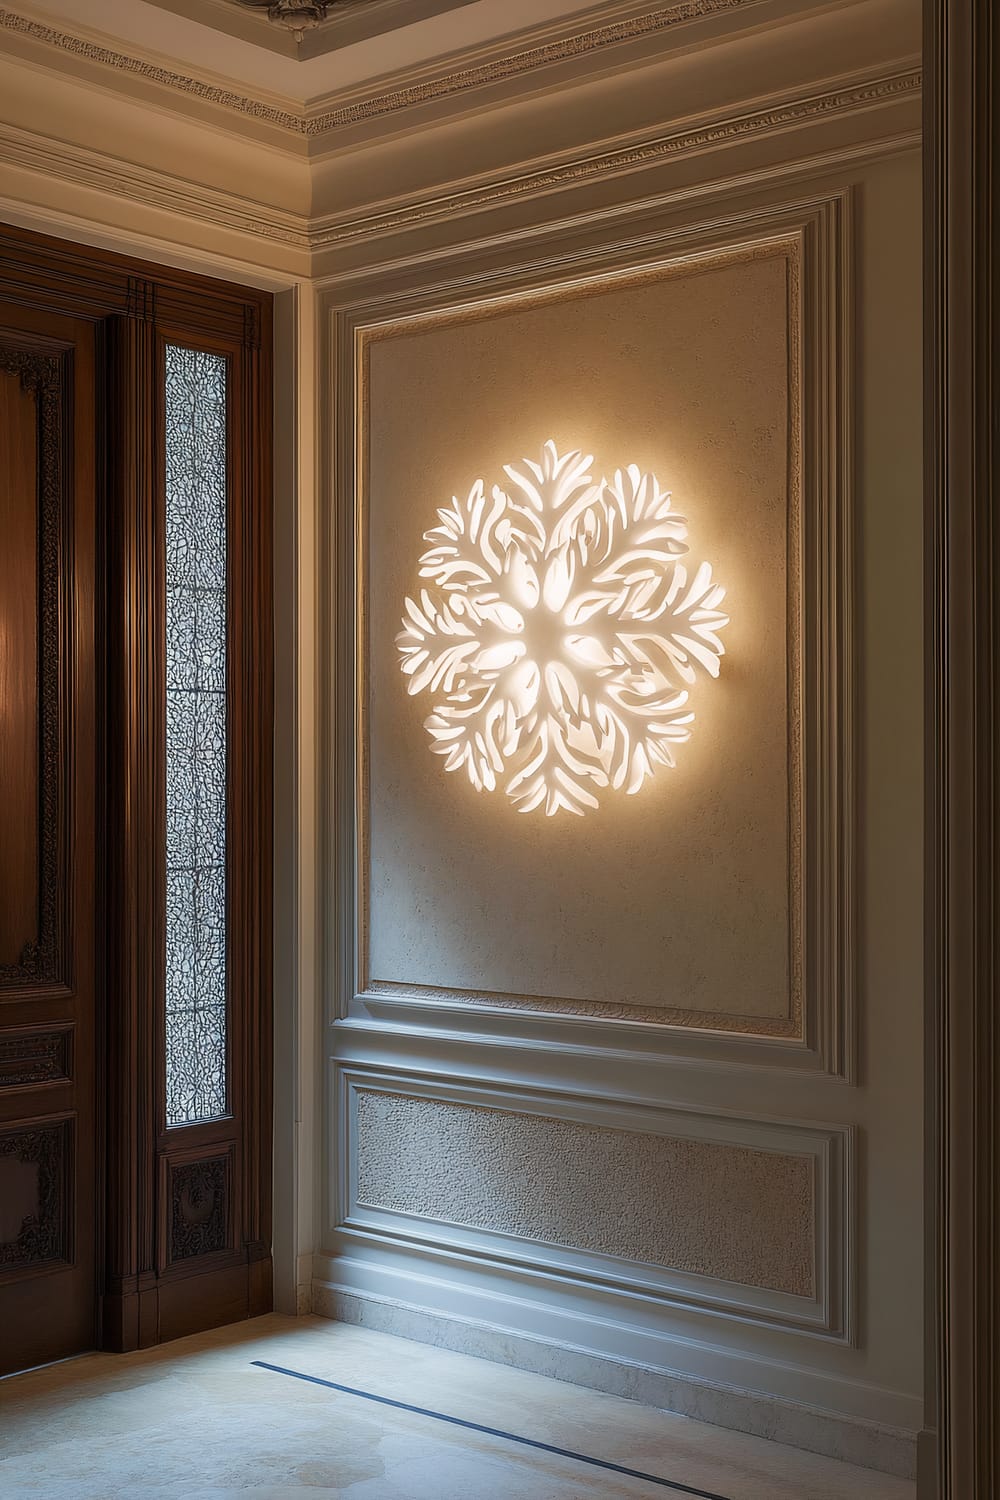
(526, 53)
(870, 93)
(483, 66)
(62, 161)
(286, 116)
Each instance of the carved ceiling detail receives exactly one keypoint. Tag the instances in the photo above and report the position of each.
(296, 16)
(392, 94)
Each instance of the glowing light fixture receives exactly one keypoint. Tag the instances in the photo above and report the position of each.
(558, 633)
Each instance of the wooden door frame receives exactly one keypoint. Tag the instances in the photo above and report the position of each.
(960, 1448)
(159, 1275)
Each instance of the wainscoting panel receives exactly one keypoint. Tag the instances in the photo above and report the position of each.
(747, 1218)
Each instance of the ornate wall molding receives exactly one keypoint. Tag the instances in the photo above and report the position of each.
(390, 99)
(818, 1030)
(516, 64)
(394, 96)
(79, 166)
(396, 93)
(180, 83)
(873, 93)
(808, 1289)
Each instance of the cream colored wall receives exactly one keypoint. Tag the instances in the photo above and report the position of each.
(831, 1113)
(677, 897)
(808, 131)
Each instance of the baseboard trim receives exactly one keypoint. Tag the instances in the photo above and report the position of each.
(869, 1445)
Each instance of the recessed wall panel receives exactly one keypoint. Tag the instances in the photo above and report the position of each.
(695, 1206)
(677, 901)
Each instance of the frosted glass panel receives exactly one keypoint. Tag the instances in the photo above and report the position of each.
(196, 735)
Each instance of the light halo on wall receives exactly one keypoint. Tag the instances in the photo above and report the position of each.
(558, 632)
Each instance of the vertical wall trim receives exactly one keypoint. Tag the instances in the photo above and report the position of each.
(288, 830)
(309, 1158)
(136, 771)
(255, 612)
(962, 128)
(297, 1041)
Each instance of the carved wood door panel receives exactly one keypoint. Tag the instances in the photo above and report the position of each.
(48, 864)
(135, 801)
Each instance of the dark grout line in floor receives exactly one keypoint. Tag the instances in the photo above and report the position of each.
(512, 1437)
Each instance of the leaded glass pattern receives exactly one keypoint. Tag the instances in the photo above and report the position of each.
(196, 735)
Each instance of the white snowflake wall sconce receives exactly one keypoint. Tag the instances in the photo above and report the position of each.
(557, 632)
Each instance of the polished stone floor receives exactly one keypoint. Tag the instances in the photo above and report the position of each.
(198, 1419)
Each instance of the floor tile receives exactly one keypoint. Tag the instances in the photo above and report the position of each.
(198, 1419)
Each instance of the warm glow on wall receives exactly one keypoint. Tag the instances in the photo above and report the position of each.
(558, 632)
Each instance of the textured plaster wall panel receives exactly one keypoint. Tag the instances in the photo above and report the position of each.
(724, 1211)
(678, 897)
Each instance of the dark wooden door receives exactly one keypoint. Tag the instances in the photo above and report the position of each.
(48, 863)
(126, 1219)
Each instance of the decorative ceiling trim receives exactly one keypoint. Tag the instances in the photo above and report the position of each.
(347, 22)
(513, 65)
(98, 170)
(871, 93)
(295, 16)
(58, 161)
(394, 97)
(180, 82)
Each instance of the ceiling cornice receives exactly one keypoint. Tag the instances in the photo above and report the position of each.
(859, 95)
(139, 67)
(304, 236)
(502, 65)
(527, 52)
(103, 173)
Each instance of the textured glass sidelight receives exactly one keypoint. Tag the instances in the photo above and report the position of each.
(196, 735)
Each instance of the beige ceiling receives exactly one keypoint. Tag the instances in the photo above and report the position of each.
(349, 22)
(371, 39)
